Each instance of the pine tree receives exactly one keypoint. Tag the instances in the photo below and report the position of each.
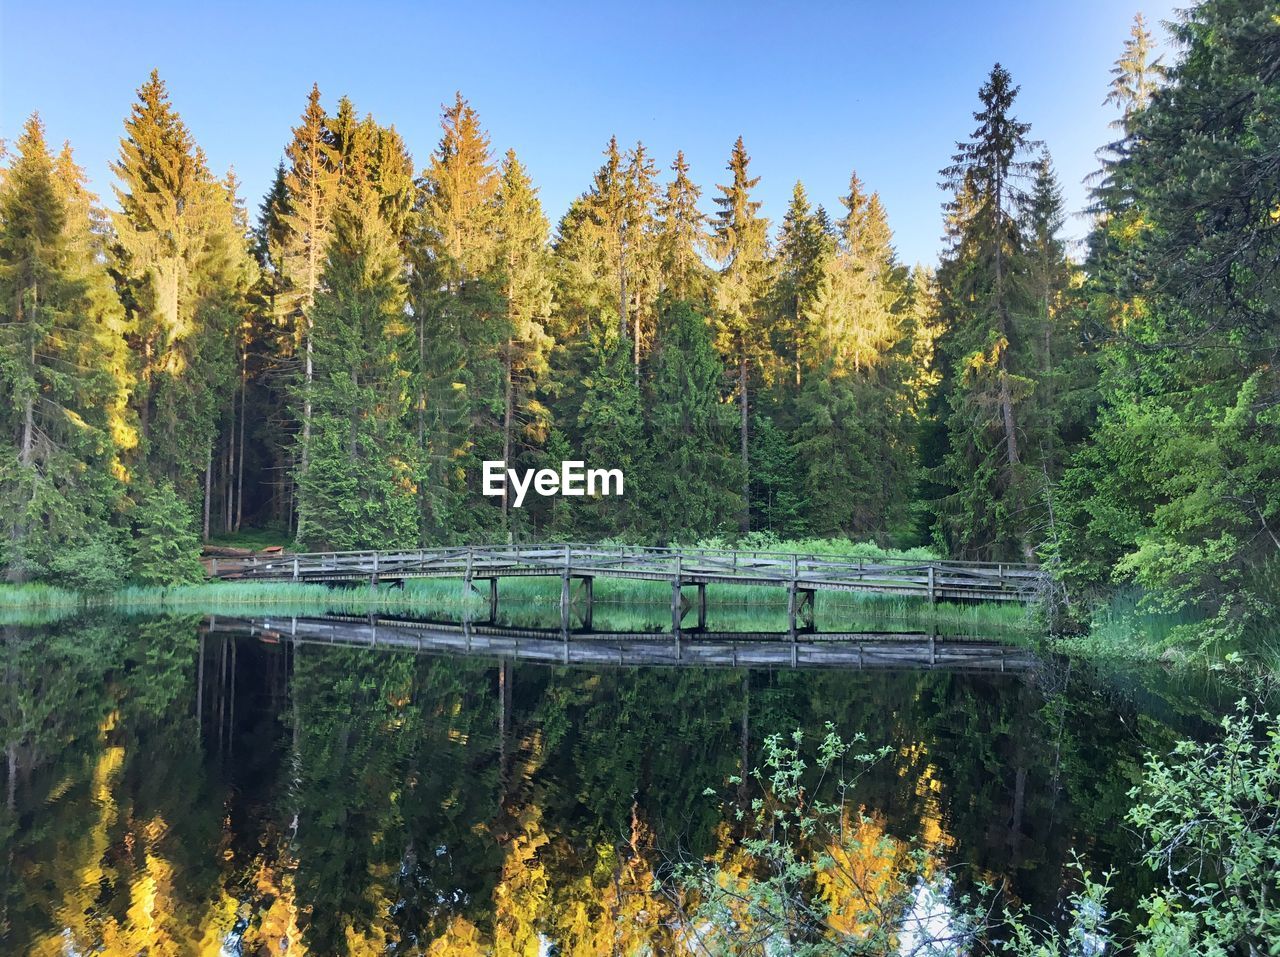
(63, 373)
(311, 184)
(461, 325)
(358, 490)
(681, 237)
(184, 269)
(803, 251)
(525, 281)
(741, 245)
(689, 492)
(987, 513)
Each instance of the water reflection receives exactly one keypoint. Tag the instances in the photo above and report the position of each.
(177, 785)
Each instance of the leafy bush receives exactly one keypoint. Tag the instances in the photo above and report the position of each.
(828, 547)
(95, 566)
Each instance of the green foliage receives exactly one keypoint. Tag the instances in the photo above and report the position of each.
(690, 490)
(358, 488)
(165, 546)
(611, 425)
(1207, 816)
(1178, 487)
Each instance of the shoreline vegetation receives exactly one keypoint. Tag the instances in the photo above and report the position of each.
(341, 364)
(1121, 629)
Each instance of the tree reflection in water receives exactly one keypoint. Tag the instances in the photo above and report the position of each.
(171, 790)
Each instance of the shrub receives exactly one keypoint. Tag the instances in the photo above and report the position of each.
(166, 548)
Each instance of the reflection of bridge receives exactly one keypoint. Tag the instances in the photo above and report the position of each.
(855, 651)
(800, 575)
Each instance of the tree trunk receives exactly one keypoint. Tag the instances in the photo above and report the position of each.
(230, 470)
(746, 474)
(508, 417)
(29, 420)
(208, 490)
(422, 425)
(244, 391)
(622, 283)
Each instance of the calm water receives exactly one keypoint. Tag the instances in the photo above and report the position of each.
(178, 788)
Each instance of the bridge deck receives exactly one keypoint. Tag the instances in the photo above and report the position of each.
(732, 650)
(936, 580)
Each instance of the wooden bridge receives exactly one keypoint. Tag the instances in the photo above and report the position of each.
(800, 575)
(847, 651)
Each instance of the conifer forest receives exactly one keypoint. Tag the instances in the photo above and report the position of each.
(983, 552)
(335, 359)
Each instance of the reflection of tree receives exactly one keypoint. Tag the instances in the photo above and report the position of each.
(116, 858)
(452, 806)
(396, 779)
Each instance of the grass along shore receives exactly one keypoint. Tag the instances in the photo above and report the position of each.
(641, 605)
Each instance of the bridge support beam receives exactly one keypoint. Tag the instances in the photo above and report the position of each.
(702, 606)
(800, 609)
(588, 596)
(564, 603)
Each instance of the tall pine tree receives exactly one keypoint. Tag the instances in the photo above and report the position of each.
(741, 244)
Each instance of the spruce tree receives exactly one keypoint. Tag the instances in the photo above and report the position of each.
(611, 429)
(641, 264)
(458, 190)
(185, 268)
(804, 249)
(525, 281)
(358, 489)
(987, 512)
(1178, 487)
(63, 373)
(851, 411)
(1135, 74)
(740, 243)
(460, 326)
(691, 492)
(311, 189)
(681, 236)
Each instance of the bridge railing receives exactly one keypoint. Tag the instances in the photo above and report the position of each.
(688, 564)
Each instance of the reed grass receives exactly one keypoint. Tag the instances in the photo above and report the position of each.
(621, 604)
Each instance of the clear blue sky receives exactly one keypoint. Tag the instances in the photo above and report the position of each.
(816, 89)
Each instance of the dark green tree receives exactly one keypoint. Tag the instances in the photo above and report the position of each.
(691, 491)
(358, 490)
(62, 363)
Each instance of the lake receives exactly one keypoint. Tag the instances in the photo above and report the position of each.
(184, 784)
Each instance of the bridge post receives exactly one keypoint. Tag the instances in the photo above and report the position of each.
(675, 600)
(373, 575)
(564, 602)
(791, 605)
(702, 606)
(564, 594)
(932, 596)
(493, 599)
(466, 588)
(588, 589)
